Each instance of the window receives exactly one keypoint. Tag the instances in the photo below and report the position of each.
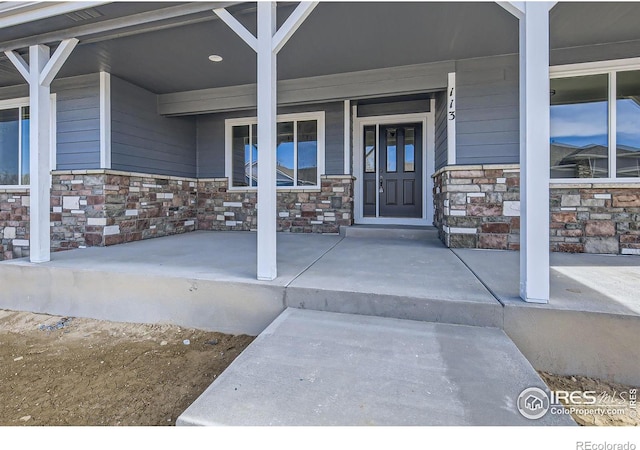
(595, 123)
(14, 142)
(299, 151)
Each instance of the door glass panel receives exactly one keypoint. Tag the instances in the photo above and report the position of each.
(25, 146)
(9, 143)
(370, 149)
(409, 150)
(284, 155)
(307, 153)
(628, 124)
(392, 160)
(579, 127)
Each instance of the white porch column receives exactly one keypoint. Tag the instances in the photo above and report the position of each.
(267, 103)
(39, 164)
(534, 152)
(267, 46)
(39, 73)
(534, 147)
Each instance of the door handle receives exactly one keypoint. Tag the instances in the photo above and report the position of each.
(381, 188)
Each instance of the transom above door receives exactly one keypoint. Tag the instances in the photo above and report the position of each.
(392, 171)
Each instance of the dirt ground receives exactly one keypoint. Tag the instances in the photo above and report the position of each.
(60, 371)
(73, 371)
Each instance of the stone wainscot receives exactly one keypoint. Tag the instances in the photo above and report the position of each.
(14, 223)
(479, 207)
(107, 207)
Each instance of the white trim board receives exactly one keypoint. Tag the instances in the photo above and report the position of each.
(428, 166)
(105, 120)
(593, 68)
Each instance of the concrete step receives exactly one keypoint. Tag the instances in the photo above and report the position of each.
(390, 232)
(319, 368)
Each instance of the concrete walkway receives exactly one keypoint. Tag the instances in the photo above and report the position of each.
(320, 368)
(591, 324)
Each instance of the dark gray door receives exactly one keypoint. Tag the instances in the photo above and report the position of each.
(397, 182)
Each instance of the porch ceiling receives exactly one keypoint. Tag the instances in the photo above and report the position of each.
(337, 37)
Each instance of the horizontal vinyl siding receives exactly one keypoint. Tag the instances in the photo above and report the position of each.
(487, 124)
(211, 139)
(142, 140)
(78, 122)
(313, 90)
(441, 129)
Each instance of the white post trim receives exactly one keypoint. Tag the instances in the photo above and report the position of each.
(267, 47)
(40, 157)
(613, 118)
(534, 152)
(267, 105)
(54, 134)
(347, 137)
(19, 63)
(515, 8)
(292, 23)
(105, 120)
(451, 118)
(237, 27)
(58, 58)
(39, 73)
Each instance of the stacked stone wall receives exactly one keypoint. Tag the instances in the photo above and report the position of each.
(97, 208)
(14, 224)
(322, 210)
(479, 207)
(107, 207)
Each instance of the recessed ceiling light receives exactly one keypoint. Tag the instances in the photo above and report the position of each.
(215, 58)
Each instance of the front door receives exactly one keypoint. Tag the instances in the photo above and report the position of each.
(392, 179)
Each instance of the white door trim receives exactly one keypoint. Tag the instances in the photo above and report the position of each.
(428, 166)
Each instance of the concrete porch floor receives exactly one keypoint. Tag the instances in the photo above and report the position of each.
(207, 280)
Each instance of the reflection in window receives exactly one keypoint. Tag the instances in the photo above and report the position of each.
(370, 149)
(579, 127)
(254, 155)
(9, 146)
(307, 153)
(24, 136)
(628, 124)
(391, 150)
(296, 154)
(284, 155)
(241, 156)
(409, 150)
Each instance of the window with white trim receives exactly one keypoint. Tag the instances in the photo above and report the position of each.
(299, 151)
(595, 123)
(14, 142)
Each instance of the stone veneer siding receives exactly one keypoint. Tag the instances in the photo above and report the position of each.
(479, 207)
(107, 207)
(321, 210)
(14, 223)
(99, 207)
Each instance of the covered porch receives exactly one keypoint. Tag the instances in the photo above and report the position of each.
(206, 280)
(394, 65)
